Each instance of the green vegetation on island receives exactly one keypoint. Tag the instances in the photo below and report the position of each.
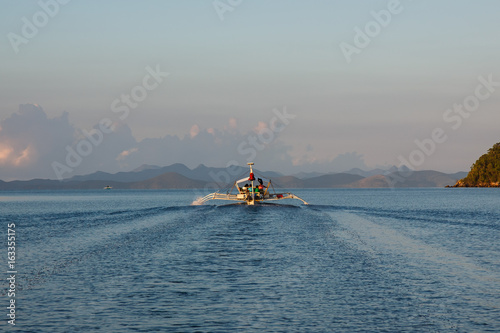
(485, 172)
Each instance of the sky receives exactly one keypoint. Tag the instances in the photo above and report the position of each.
(293, 86)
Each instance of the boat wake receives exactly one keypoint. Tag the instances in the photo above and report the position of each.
(379, 241)
(197, 202)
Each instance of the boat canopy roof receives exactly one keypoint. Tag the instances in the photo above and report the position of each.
(242, 180)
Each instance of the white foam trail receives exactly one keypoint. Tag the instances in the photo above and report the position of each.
(197, 202)
(375, 239)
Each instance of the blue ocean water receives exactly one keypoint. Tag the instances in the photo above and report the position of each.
(355, 260)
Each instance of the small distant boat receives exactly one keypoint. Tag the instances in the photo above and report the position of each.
(250, 193)
(107, 187)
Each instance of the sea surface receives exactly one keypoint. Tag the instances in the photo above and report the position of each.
(354, 260)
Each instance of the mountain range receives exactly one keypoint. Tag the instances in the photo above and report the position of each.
(179, 176)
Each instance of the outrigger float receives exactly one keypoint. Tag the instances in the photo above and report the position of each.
(249, 193)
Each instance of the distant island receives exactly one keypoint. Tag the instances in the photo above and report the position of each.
(485, 172)
(179, 176)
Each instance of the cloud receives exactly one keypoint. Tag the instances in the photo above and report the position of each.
(233, 123)
(109, 155)
(347, 161)
(340, 163)
(261, 126)
(211, 146)
(29, 142)
(195, 130)
(125, 153)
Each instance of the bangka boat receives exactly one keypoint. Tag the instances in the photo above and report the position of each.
(246, 191)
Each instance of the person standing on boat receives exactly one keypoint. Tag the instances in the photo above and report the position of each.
(261, 185)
